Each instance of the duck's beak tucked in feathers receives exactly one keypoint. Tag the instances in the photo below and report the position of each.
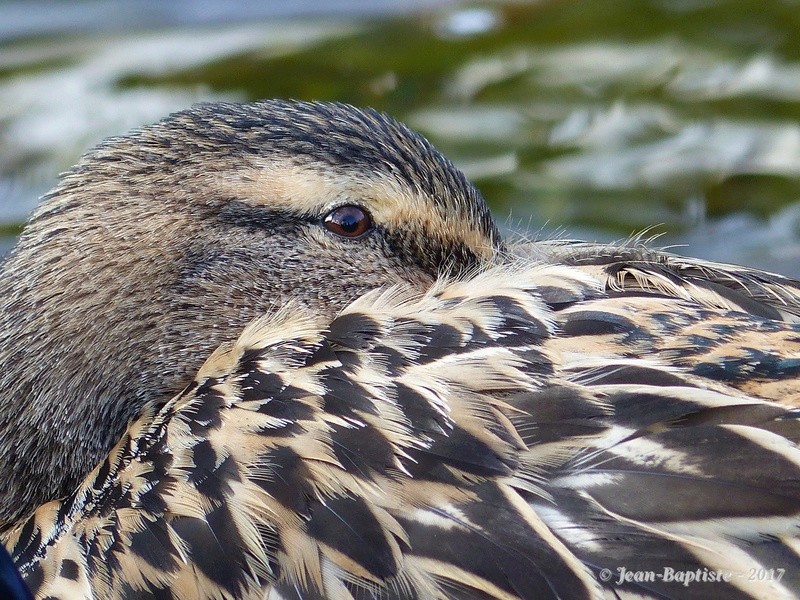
(341, 383)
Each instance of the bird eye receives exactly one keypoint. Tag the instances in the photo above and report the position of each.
(348, 221)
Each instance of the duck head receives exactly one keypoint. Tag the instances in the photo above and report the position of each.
(163, 244)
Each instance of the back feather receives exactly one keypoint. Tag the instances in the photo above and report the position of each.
(532, 432)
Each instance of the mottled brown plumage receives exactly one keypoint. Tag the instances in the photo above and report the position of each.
(159, 246)
(420, 412)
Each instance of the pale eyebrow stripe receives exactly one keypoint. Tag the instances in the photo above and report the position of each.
(309, 190)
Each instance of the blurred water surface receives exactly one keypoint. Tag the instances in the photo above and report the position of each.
(577, 118)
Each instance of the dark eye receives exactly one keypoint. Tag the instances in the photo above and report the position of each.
(348, 221)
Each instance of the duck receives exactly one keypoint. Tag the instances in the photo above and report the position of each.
(281, 350)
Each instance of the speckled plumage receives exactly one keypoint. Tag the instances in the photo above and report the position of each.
(161, 245)
(538, 414)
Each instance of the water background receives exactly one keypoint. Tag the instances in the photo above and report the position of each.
(593, 119)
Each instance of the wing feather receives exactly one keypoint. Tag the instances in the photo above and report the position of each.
(512, 435)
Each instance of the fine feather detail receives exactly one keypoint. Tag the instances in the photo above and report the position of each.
(626, 268)
(506, 436)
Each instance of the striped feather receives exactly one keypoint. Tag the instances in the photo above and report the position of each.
(506, 436)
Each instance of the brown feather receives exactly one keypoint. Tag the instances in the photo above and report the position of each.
(499, 423)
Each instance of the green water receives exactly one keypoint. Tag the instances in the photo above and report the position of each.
(592, 119)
